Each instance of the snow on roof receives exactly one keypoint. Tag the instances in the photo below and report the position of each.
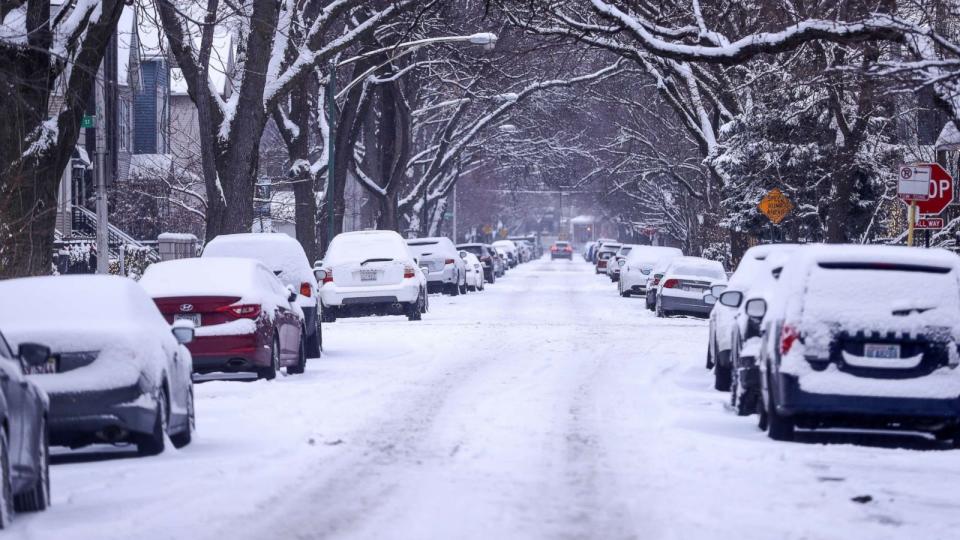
(181, 237)
(126, 41)
(209, 276)
(949, 138)
(280, 253)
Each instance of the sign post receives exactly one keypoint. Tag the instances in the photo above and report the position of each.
(927, 188)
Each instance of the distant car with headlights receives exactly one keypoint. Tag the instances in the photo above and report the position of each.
(638, 264)
(446, 271)
(246, 319)
(285, 257)
(684, 282)
(862, 336)
(117, 372)
(24, 450)
(561, 250)
(372, 273)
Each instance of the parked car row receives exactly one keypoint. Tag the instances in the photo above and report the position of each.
(840, 336)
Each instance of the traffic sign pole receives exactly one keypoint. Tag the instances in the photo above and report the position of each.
(911, 220)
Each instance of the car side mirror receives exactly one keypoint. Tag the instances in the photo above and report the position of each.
(731, 298)
(709, 299)
(622, 262)
(183, 331)
(33, 354)
(717, 290)
(318, 263)
(756, 308)
(293, 293)
(463, 254)
(320, 274)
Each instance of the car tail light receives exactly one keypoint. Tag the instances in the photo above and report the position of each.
(788, 335)
(242, 311)
(568, 249)
(328, 278)
(449, 261)
(305, 289)
(656, 281)
(409, 272)
(553, 248)
(670, 284)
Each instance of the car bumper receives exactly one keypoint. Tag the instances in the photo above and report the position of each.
(559, 255)
(679, 304)
(846, 410)
(445, 276)
(229, 354)
(336, 296)
(80, 418)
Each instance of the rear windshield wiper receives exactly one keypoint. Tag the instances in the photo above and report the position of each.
(375, 260)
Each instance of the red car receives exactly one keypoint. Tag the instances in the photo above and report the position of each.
(246, 320)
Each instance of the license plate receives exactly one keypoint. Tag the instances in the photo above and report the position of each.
(881, 350)
(368, 275)
(192, 317)
(48, 367)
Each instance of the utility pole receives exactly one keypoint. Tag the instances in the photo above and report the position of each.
(455, 214)
(331, 100)
(103, 226)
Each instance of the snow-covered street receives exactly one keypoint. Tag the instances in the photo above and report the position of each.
(546, 407)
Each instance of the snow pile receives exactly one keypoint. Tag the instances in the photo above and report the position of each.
(109, 314)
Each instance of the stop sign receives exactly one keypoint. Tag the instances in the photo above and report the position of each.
(941, 191)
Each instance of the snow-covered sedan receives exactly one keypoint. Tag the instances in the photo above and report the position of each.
(246, 320)
(616, 262)
(684, 282)
(488, 259)
(636, 268)
(286, 258)
(720, 340)
(865, 337)
(446, 271)
(474, 271)
(24, 455)
(117, 372)
(513, 252)
(604, 254)
(372, 273)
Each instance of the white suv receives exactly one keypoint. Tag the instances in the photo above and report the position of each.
(371, 273)
(446, 271)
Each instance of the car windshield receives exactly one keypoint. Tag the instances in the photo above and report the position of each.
(476, 250)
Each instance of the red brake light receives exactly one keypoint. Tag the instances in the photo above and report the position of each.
(409, 272)
(449, 261)
(568, 249)
(788, 335)
(328, 278)
(670, 284)
(242, 311)
(656, 281)
(305, 289)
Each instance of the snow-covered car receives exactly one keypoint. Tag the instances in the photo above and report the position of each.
(752, 268)
(285, 256)
(513, 253)
(745, 330)
(638, 265)
(372, 273)
(865, 337)
(588, 250)
(533, 242)
(446, 271)
(616, 262)
(561, 250)
(24, 452)
(117, 371)
(488, 259)
(653, 281)
(684, 282)
(604, 254)
(504, 256)
(246, 319)
(474, 271)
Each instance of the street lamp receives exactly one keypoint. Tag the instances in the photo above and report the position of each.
(487, 39)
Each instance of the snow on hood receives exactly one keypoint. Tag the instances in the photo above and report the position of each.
(645, 258)
(109, 314)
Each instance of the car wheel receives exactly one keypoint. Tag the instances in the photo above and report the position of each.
(313, 343)
(153, 444)
(463, 288)
(738, 400)
(301, 364)
(37, 498)
(425, 305)
(454, 289)
(270, 373)
(779, 427)
(6, 479)
(415, 309)
(659, 309)
(328, 314)
(183, 438)
(721, 377)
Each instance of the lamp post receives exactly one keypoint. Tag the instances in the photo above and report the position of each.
(487, 39)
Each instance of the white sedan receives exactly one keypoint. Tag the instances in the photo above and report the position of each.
(474, 271)
(371, 273)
